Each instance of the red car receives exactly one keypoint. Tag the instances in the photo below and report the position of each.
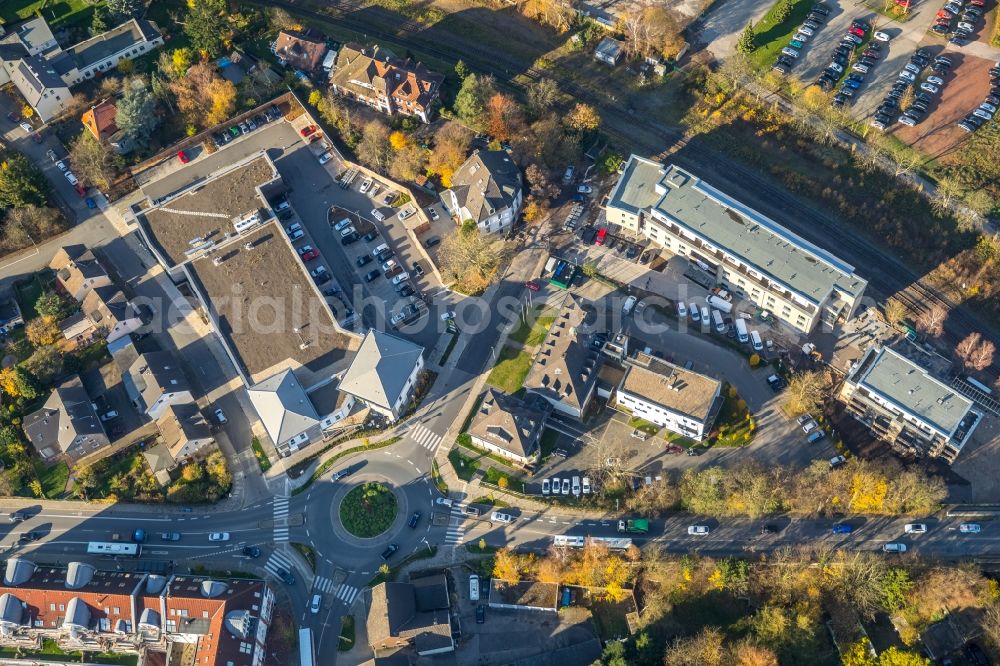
(80, 189)
(674, 449)
(532, 285)
(306, 131)
(182, 156)
(599, 240)
(310, 255)
(857, 31)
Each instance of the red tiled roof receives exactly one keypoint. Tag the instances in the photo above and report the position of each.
(100, 120)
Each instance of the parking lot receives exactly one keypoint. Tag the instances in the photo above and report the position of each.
(316, 198)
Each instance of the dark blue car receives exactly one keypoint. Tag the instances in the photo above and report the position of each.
(843, 528)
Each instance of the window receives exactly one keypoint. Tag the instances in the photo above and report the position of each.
(204, 614)
(52, 607)
(62, 607)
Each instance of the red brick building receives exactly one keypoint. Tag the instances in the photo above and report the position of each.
(164, 619)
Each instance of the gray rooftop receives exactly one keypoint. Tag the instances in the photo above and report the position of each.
(668, 192)
(896, 379)
(380, 369)
(66, 415)
(116, 40)
(156, 373)
(40, 74)
(283, 406)
(487, 182)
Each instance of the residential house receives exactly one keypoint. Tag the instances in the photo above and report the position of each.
(565, 368)
(78, 271)
(509, 427)
(156, 381)
(750, 254)
(374, 76)
(524, 595)
(300, 51)
(487, 189)
(901, 403)
(384, 373)
(101, 121)
(42, 87)
(609, 51)
(672, 397)
(44, 73)
(185, 432)
(164, 619)
(67, 424)
(411, 614)
(110, 313)
(286, 411)
(77, 328)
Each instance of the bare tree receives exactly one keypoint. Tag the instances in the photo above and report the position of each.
(805, 392)
(963, 350)
(931, 321)
(982, 356)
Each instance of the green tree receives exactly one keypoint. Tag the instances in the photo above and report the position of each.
(21, 183)
(461, 70)
(746, 45)
(49, 303)
(206, 26)
(783, 10)
(100, 21)
(470, 102)
(45, 364)
(896, 585)
(136, 115)
(36, 487)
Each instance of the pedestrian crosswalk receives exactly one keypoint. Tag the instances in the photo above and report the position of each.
(323, 584)
(425, 438)
(280, 519)
(454, 535)
(347, 593)
(278, 562)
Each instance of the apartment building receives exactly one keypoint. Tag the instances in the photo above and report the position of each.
(164, 619)
(44, 73)
(565, 368)
(395, 86)
(384, 373)
(799, 283)
(680, 400)
(902, 404)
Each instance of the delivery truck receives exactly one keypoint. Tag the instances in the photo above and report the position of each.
(634, 526)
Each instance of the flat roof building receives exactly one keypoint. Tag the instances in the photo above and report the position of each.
(680, 400)
(798, 282)
(901, 403)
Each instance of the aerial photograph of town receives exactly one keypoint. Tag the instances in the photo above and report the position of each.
(500, 332)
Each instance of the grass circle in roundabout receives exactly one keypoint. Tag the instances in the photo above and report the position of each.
(368, 510)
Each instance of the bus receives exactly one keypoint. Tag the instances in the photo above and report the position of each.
(110, 549)
(613, 543)
(307, 651)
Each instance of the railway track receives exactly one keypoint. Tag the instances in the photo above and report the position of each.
(887, 274)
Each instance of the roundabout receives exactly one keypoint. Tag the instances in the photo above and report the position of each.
(368, 510)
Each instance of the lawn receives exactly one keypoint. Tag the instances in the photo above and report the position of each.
(772, 36)
(510, 371)
(307, 552)
(346, 633)
(258, 452)
(465, 467)
(53, 478)
(27, 293)
(504, 481)
(532, 329)
(52, 652)
(368, 510)
(735, 426)
(609, 617)
(56, 13)
(438, 481)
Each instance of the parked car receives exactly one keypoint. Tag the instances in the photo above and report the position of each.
(894, 548)
(881, 36)
(915, 528)
(837, 461)
(220, 416)
(698, 530)
(218, 536)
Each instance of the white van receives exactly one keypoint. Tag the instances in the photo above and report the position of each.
(720, 325)
(756, 341)
(317, 603)
(576, 486)
(682, 310)
(741, 330)
(473, 588)
(705, 321)
(629, 304)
